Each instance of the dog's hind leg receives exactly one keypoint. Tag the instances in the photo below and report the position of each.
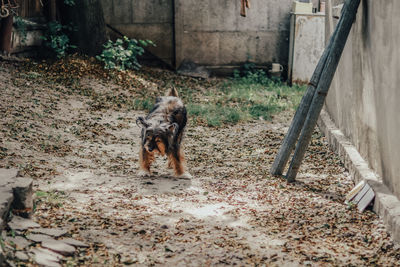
(145, 161)
(177, 160)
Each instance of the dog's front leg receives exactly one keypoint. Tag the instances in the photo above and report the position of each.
(145, 161)
(176, 159)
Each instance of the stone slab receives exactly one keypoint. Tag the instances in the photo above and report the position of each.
(59, 247)
(7, 176)
(38, 238)
(19, 242)
(21, 256)
(74, 242)
(50, 231)
(46, 257)
(19, 223)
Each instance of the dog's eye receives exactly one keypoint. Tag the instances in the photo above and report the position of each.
(158, 140)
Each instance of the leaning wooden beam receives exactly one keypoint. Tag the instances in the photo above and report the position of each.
(293, 133)
(338, 42)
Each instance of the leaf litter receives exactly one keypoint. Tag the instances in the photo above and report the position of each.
(70, 125)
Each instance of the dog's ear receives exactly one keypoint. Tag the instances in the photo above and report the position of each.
(173, 92)
(173, 128)
(141, 122)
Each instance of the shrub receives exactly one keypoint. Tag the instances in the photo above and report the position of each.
(122, 54)
(56, 38)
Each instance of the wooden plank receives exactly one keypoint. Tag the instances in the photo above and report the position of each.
(354, 191)
(23, 8)
(38, 7)
(338, 42)
(366, 200)
(360, 195)
(52, 10)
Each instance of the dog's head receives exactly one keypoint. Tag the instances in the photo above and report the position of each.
(157, 137)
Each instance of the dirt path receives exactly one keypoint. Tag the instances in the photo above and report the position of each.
(231, 212)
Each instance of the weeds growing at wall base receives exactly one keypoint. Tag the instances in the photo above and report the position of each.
(242, 98)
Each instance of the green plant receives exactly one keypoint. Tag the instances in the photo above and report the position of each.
(20, 26)
(216, 114)
(142, 104)
(56, 38)
(69, 2)
(50, 198)
(122, 54)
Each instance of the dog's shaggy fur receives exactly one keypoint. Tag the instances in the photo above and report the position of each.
(162, 131)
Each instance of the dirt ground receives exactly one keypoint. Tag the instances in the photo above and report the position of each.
(232, 212)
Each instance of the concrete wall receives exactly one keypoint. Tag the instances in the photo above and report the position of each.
(364, 98)
(210, 33)
(213, 33)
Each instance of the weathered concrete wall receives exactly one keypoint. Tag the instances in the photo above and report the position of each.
(150, 19)
(210, 33)
(213, 33)
(363, 100)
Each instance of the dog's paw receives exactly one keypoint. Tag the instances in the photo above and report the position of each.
(185, 175)
(143, 173)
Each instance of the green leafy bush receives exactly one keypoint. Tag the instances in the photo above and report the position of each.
(56, 38)
(122, 54)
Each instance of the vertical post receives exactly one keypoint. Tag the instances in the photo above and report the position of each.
(5, 34)
(338, 42)
(178, 32)
(52, 10)
(328, 20)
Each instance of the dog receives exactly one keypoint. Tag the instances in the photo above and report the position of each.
(162, 132)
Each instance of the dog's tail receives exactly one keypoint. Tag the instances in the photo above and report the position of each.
(173, 92)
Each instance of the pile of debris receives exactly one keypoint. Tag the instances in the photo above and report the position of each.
(21, 238)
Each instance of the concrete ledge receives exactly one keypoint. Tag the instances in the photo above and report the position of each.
(386, 204)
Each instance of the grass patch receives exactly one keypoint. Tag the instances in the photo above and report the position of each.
(142, 104)
(214, 115)
(49, 198)
(250, 96)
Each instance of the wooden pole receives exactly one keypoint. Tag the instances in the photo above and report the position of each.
(338, 42)
(5, 34)
(293, 133)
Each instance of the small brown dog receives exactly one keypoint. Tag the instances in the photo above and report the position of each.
(162, 131)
